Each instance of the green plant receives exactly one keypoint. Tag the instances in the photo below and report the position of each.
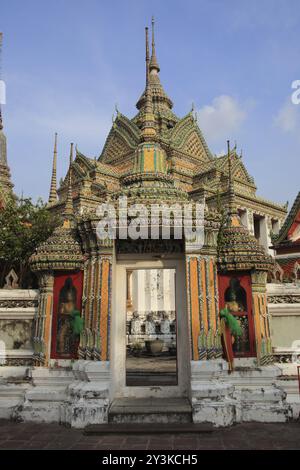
(23, 226)
(77, 322)
(231, 322)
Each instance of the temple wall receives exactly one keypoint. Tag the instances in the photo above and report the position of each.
(17, 310)
(284, 308)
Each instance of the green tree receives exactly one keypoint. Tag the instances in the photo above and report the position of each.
(23, 226)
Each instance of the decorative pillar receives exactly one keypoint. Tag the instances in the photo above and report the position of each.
(97, 284)
(203, 307)
(261, 318)
(250, 224)
(265, 238)
(42, 333)
(202, 295)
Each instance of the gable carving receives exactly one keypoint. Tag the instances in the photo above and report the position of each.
(122, 139)
(188, 138)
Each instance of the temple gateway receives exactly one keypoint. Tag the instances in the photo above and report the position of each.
(132, 330)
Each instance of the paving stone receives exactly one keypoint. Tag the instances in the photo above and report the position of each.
(13, 445)
(241, 436)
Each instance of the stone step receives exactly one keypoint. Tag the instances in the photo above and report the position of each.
(147, 428)
(150, 410)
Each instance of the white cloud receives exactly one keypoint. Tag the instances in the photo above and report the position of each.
(288, 117)
(221, 119)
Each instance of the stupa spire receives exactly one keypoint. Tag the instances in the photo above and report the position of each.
(68, 210)
(148, 119)
(147, 56)
(153, 60)
(149, 105)
(231, 206)
(53, 186)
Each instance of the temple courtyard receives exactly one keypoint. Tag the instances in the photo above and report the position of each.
(248, 436)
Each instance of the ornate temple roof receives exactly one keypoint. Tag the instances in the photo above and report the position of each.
(238, 250)
(289, 233)
(190, 165)
(61, 251)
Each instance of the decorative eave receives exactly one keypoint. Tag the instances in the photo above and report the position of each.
(283, 233)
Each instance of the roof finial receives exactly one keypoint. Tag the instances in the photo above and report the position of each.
(53, 194)
(153, 61)
(71, 153)
(68, 210)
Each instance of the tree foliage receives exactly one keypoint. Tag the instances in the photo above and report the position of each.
(23, 226)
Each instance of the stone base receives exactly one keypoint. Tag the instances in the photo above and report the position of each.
(11, 397)
(76, 397)
(249, 393)
(88, 395)
(291, 386)
(212, 399)
(80, 396)
(42, 401)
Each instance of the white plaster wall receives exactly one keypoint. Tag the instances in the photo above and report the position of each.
(285, 316)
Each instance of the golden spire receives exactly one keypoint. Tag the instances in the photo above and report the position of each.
(68, 210)
(53, 194)
(153, 61)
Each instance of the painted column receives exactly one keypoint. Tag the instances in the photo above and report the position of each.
(94, 340)
(43, 319)
(261, 318)
(203, 307)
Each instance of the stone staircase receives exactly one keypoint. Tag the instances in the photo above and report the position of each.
(150, 410)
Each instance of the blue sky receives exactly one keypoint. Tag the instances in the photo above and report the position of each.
(66, 63)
